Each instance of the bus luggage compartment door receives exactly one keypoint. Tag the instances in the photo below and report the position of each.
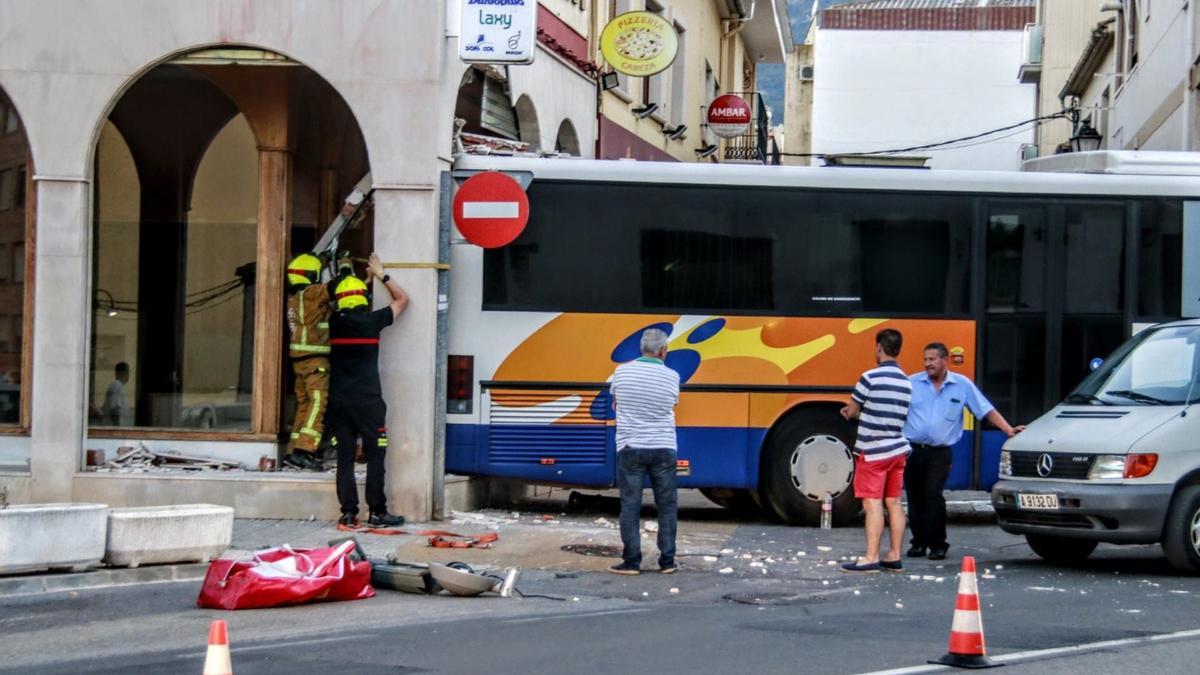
(551, 436)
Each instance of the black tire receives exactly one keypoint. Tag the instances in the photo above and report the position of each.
(1060, 549)
(738, 501)
(1181, 533)
(815, 430)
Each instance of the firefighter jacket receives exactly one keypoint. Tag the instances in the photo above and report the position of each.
(308, 322)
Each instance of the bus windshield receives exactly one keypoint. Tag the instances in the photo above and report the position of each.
(1158, 367)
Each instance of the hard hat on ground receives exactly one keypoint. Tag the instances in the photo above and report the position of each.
(350, 293)
(303, 270)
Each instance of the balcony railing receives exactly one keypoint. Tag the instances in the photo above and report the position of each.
(752, 147)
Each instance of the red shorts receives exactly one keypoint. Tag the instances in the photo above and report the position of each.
(880, 479)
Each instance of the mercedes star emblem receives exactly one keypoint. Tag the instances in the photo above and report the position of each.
(1045, 465)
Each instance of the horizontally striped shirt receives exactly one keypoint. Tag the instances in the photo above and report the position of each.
(645, 392)
(884, 393)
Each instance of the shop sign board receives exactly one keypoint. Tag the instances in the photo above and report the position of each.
(498, 31)
(729, 116)
(639, 44)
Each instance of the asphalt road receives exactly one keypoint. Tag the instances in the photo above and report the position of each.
(775, 611)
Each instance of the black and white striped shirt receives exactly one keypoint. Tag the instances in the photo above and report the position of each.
(645, 391)
(884, 393)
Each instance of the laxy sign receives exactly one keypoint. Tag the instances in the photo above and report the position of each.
(729, 116)
(490, 209)
(497, 31)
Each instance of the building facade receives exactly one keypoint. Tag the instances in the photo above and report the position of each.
(721, 43)
(891, 74)
(1133, 75)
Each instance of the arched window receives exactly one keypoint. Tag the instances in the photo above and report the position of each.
(16, 226)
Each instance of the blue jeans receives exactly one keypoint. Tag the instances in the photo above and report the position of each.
(633, 465)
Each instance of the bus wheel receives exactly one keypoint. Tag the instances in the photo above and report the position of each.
(738, 501)
(807, 456)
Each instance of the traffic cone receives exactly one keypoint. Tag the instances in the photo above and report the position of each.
(966, 633)
(217, 661)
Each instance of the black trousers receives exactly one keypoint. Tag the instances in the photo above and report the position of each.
(924, 479)
(347, 421)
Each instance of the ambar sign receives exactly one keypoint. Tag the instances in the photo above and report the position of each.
(639, 43)
(729, 116)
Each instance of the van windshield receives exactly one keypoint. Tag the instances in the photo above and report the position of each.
(1156, 367)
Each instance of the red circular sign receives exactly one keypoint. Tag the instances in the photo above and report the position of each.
(729, 116)
(491, 209)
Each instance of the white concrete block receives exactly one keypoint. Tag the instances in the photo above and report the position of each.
(167, 534)
(51, 536)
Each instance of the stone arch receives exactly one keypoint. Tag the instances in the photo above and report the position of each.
(16, 228)
(297, 149)
(567, 140)
(527, 122)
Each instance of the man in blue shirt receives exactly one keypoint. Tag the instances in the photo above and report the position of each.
(935, 423)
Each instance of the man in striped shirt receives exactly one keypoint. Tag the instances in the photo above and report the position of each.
(880, 404)
(645, 392)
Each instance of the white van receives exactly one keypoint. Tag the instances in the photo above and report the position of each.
(1118, 460)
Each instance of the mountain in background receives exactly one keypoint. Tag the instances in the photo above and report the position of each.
(771, 76)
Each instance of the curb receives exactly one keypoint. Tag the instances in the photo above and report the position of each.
(101, 578)
(970, 512)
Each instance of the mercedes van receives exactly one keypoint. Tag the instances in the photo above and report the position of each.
(1118, 460)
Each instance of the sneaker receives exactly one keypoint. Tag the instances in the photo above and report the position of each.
(385, 520)
(937, 554)
(916, 552)
(625, 568)
(668, 569)
(349, 520)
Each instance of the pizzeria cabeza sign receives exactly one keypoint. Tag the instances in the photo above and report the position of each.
(640, 44)
(498, 31)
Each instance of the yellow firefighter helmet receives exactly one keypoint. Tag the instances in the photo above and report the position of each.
(303, 270)
(351, 292)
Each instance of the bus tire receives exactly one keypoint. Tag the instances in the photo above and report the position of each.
(738, 501)
(1181, 533)
(807, 454)
(1060, 549)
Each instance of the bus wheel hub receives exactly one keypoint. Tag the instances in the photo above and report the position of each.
(820, 464)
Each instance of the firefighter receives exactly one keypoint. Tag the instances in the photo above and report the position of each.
(308, 311)
(357, 410)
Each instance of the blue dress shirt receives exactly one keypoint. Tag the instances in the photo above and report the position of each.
(935, 417)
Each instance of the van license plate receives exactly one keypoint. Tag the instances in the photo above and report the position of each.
(1038, 502)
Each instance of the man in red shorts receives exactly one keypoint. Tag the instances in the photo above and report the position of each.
(880, 404)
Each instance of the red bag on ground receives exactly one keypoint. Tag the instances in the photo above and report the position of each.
(284, 576)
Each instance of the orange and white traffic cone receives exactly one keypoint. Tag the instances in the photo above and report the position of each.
(217, 661)
(966, 633)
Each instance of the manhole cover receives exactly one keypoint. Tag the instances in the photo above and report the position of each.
(774, 598)
(594, 549)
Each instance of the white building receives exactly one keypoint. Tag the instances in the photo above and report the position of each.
(890, 74)
(1135, 81)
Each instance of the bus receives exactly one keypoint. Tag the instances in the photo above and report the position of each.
(771, 283)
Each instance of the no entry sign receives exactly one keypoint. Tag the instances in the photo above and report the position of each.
(491, 209)
(729, 116)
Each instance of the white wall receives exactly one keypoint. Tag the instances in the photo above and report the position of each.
(877, 90)
(558, 92)
(1147, 110)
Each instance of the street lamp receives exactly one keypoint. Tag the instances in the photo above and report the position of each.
(1086, 139)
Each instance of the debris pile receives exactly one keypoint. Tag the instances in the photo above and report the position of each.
(141, 458)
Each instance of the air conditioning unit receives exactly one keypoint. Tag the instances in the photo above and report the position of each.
(806, 72)
(1031, 54)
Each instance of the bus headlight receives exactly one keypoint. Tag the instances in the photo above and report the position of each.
(1005, 463)
(1107, 466)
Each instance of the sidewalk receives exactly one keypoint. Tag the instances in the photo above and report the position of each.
(532, 536)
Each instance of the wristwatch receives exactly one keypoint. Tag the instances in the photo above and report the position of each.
(385, 278)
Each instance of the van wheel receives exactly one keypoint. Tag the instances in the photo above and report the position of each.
(738, 501)
(808, 454)
(1181, 534)
(1060, 549)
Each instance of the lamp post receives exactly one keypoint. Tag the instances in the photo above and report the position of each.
(1086, 139)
